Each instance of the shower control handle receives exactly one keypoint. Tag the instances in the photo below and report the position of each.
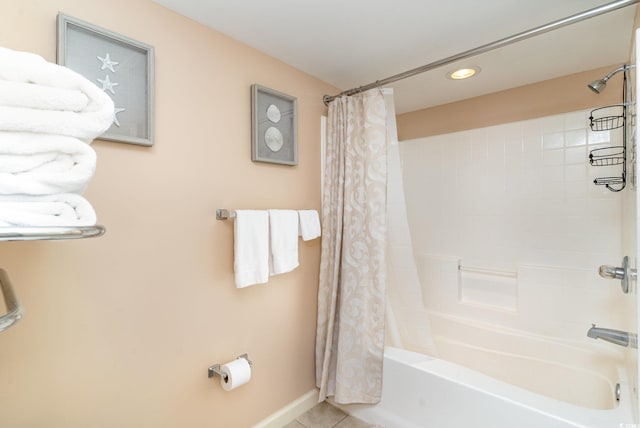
(611, 272)
(624, 273)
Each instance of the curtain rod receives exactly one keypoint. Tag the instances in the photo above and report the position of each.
(600, 10)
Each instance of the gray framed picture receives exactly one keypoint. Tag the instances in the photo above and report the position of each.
(274, 128)
(122, 67)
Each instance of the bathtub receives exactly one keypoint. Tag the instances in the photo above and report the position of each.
(583, 372)
(420, 391)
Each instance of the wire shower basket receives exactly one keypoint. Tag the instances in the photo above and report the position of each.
(609, 182)
(607, 118)
(607, 156)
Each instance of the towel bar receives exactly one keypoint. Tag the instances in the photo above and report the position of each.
(14, 310)
(225, 214)
(37, 233)
(485, 271)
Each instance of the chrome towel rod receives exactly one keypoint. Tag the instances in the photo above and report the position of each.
(225, 214)
(600, 10)
(39, 233)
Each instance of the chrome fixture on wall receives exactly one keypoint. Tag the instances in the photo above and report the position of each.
(600, 85)
(621, 338)
(14, 310)
(624, 273)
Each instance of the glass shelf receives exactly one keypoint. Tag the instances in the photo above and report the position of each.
(49, 233)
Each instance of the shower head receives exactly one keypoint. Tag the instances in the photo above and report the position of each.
(598, 86)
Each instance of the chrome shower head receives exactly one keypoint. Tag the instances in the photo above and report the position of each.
(600, 85)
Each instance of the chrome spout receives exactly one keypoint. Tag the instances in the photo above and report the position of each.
(621, 338)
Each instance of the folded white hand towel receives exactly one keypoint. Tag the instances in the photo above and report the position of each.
(309, 224)
(31, 95)
(66, 209)
(86, 123)
(41, 164)
(84, 126)
(251, 247)
(283, 236)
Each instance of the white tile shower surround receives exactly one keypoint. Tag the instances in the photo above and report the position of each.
(517, 198)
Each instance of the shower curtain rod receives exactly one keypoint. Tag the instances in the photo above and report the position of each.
(596, 11)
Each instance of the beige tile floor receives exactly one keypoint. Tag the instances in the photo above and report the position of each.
(325, 415)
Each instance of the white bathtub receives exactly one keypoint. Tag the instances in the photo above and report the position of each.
(583, 372)
(420, 391)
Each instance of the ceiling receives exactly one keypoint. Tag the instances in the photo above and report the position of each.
(349, 43)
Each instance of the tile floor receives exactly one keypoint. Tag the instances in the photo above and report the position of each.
(324, 415)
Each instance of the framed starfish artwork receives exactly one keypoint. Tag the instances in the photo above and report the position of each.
(121, 67)
(274, 136)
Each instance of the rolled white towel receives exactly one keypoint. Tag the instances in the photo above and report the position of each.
(32, 110)
(40, 164)
(66, 209)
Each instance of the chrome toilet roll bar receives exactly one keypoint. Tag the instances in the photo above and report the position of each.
(214, 370)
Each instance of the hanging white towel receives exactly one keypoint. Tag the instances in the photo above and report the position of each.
(309, 224)
(251, 247)
(28, 112)
(283, 236)
(40, 164)
(66, 209)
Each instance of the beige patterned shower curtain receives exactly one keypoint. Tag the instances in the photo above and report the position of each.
(351, 297)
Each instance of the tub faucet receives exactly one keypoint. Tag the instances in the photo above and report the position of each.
(621, 338)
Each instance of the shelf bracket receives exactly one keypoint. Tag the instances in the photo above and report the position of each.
(14, 310)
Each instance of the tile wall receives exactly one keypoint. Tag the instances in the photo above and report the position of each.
(516, 205)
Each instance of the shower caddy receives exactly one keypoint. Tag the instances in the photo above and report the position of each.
(609, 118)
(14, 310)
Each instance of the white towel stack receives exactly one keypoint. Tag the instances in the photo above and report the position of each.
(266, 243)
(39, 96)
(49, 115)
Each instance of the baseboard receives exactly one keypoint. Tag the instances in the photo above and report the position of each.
(290, 412)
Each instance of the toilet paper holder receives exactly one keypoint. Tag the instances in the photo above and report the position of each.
(214, 370)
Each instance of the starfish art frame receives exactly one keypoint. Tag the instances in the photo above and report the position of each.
(120, 66)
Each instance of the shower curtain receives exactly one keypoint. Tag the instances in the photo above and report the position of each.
(351, 295)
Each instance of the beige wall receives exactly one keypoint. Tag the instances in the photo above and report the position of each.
(555, 96)
(119, 330)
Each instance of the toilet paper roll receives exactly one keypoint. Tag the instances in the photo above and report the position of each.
(235, 373)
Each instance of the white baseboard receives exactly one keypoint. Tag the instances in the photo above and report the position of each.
(290, 412)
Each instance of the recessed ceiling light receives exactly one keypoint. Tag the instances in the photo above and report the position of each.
(463, 73)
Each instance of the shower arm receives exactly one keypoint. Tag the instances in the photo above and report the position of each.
(600, 10)
(623, 67)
